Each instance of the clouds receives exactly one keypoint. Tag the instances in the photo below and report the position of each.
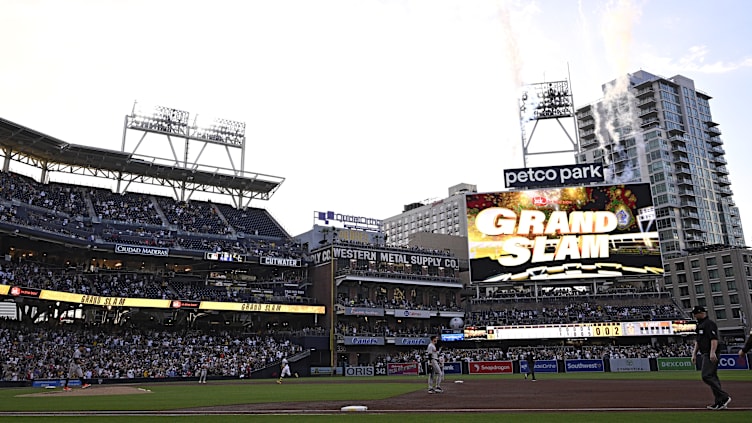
(699, 59)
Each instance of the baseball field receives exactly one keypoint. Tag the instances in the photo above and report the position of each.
(623, 397)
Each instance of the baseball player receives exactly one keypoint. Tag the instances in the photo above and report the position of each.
(285, 370)
(202, 373)
(74, 369)
(434, 371)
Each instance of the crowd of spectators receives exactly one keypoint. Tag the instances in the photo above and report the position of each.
(99, 215)
(385, 303)
(132, 208)
(115, 352)
(598, 308)
(541, 352)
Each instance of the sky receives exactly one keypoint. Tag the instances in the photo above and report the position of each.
(363, 106)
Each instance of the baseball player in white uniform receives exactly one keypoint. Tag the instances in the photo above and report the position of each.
(285, 370)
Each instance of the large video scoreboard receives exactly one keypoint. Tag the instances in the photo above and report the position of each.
(563, 233)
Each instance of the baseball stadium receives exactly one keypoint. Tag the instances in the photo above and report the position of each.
(161, 289)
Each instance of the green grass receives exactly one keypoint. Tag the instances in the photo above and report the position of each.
(593, 417)
(169, 396)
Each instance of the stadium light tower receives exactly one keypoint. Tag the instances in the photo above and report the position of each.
(546, 101)
(175, 126)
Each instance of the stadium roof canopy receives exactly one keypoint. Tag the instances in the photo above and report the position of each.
(50, 154)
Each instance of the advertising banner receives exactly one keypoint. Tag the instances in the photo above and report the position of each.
(732, 362)
(415, 342)
(490, 367)
(359, 371)
(322, 371)
(541, 366)
(453, 368)
(572, 366)
(629, 364)
(385, 257)
(563, 233)
(402, 368)
(364, 311)
(415, 314)
(675, 363)
(142, 250)
(364, 340)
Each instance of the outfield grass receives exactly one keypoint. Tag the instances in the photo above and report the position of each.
(170, 396)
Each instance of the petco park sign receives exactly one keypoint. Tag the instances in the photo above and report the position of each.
(542, 177)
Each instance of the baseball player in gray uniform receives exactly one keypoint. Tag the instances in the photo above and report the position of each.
(434, 369)
(74, 369)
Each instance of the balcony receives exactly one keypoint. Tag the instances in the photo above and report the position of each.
(683, 170)
(684, 182)
(710, 123)
(721, 170)
(588, 143)
(646, 102)
(713, 131)
(587, 134)
(690, 215)
(693, 227)
(680, 148)
(647, 112)
(587, 124)
(677, 140)
(582, 114)
(686, 192)
(691, 204)
(648, 122)
(725, 191)
(676, 131)
(719, 160)
(715, 141)
(717, 151)
(681, 158)
(645, 92)
(724, 181)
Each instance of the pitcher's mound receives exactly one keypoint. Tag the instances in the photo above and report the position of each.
(91, 391)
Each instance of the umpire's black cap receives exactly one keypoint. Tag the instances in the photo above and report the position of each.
(699, 309)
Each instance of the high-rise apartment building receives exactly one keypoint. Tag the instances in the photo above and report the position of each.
(648, 128)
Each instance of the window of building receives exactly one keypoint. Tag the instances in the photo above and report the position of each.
(726, 259)
(711, 261)
(683, 291)
(733, 299)
(715, 287)
(695, 264)
(728, 272)
(720, 314)
(718, 301)
(731, 285)
(699, 289)
(736, 313)
(681, 278)
(679, 265)
(713, 273)
(696, 276)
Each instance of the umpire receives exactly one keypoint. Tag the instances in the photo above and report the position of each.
(707, 344)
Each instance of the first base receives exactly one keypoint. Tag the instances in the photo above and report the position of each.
(354, 408)
(459, 381)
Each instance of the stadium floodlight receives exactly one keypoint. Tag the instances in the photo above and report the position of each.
(547, 100)
(161, 119)
(219, 131)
